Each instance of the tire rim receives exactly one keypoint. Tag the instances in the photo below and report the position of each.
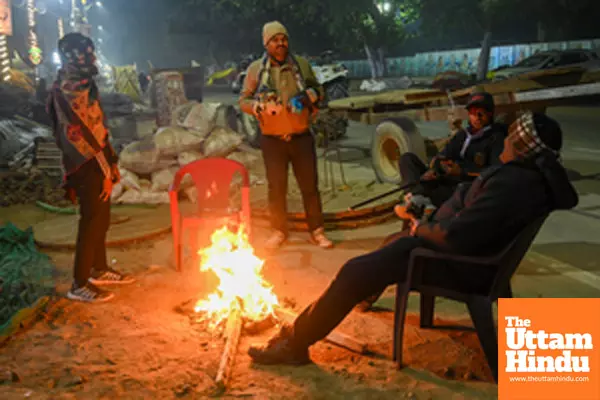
(390, 151)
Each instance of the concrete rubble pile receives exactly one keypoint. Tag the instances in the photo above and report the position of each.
(148, 166)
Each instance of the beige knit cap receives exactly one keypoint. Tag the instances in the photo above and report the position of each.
(272, 29)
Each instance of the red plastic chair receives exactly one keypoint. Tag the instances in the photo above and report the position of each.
(212, 178)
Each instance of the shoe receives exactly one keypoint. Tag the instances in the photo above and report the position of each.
(280, 350)
(276, 240)
(89, 293)
(318, 237)
(110, 277)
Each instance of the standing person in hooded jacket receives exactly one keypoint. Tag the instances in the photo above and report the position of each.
(90, 164)
(282, 92)
(468, 152)
(480, 218)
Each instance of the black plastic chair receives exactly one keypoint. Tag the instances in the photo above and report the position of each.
(479, 302)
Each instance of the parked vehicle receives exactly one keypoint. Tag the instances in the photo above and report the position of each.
(550, 59)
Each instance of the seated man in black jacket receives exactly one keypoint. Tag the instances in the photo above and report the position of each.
(470, 151)
(479, 219)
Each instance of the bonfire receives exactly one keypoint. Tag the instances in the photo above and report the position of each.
(241, 285)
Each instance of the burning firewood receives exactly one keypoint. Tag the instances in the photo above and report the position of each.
(243, 298)
(233, 332)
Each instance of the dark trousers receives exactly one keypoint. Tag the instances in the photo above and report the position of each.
(300, 152)
(411, 170)
(371, 273)
(358, 279)
(94, 220)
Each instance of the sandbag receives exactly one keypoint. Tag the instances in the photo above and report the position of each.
(144, 197)
(249, 160)
(145, 184)
(172, 140)
(161, 180)
(188, 156)
(192, 194)
(142, 157)
(197, 116)
(129, 180)
(117, 191)
(221, 142)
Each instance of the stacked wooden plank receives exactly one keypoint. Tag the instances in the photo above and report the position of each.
(48, 157)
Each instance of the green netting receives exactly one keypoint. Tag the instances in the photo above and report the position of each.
(26, 275)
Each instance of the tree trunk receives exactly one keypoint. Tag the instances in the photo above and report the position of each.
(484, 57)
(372, 61)
(382, 62)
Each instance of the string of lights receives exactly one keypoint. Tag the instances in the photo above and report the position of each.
(4, 59)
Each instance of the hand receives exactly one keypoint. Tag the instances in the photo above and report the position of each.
(257, 108)
(115, 174)
(107, 186)
(413, 228)
(451, 168)
(402, 213)
(430, 175)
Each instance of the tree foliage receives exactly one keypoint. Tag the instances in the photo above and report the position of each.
(234, 26)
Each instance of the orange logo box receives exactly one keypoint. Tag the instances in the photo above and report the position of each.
(549, 349)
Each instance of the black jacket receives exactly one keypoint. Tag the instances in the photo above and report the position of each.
(482, 217)
(483, 150)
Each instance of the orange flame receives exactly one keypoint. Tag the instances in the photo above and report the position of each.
(232, 259)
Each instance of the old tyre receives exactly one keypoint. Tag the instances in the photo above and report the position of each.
(329, 127)
(337, 89)
(251, 130)
(391, 139)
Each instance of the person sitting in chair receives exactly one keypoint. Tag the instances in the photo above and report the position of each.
(481, 218)
(468, 152)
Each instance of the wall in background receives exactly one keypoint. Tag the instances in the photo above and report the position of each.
(430, 64)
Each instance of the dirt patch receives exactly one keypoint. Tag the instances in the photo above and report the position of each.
(139, 346)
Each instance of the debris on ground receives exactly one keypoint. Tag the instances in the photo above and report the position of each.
(329, 127)
(17, 138)
(31, 186)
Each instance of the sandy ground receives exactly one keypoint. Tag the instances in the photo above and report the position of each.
(142, 346)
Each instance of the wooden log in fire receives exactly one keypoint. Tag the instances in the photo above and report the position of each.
(233, 330)
(334, 337)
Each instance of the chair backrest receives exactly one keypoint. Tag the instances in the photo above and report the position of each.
(510, 258)
(212, 178)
